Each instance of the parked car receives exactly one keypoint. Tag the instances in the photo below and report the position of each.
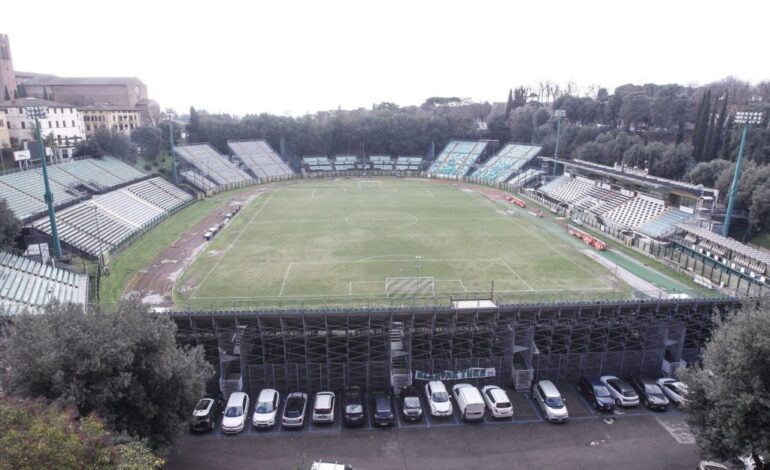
(596, 393)
(294, 410)
(383, 409)
(469, 402)
(412, 405)
(330, 466)
(675, 390)
(234, 419)
(208, 235)
(438, 399)
(621, 391)
(353, 401)
(497, 401)
(323, 407)
(551, 403)
(266, 408)
(650, 394)
(204, 415)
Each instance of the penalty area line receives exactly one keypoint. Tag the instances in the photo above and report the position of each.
(516, 274)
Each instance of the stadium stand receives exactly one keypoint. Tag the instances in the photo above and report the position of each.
(103, 222)
(345, 162)
(457, 157)
(599, 200)
(568, 189)
(260, 158)
(381, 162)
(506, 162)
(635, 212)
(317, 163)
(211, 163)
(665, 223)
(197, 180)
(408, 163)
(28, 285)
(69, 182)
(525, 177)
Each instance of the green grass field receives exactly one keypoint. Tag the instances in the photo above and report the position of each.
(351, 241)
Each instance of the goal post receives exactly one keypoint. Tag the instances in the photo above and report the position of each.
(369, 184)
(404, 286)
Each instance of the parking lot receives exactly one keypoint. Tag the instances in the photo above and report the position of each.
(525, 411)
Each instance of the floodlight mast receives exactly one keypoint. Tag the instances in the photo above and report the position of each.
(746, 118)
(169, 115)
(559, 113)
(38, 112)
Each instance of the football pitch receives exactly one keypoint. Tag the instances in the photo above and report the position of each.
(354, 240)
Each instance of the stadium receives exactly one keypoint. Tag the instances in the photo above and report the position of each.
(370, 270)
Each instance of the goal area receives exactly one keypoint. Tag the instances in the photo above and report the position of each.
(405, 286)
(369, 184)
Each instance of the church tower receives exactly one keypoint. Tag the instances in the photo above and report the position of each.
(7, 75)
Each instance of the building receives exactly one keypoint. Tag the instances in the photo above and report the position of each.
(62, 124)
(123, 119)
(5, 137)
(7, 75)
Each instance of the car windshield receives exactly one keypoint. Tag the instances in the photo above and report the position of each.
(354, 408)
(629, 393)
(601, 392)
(440, 397)
(294, 407)
(554, 402)
(202, 405)
(265, 407)
(234, 412)
(652, 389)
(383, 404)
(412, 402)
(503, 404)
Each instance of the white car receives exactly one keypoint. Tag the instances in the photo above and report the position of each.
(323, 407)
(438, 399)
(294, 410)
(550, 401)
(266, 408)
(497, 401)
(623, 393)
(675, 390)
(236, 410)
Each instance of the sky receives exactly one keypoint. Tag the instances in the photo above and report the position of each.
(295, 57)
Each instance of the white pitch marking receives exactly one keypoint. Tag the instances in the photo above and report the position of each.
(312, 196)
(516, 274)
(285, 276)
(428, 191)
(463, 284)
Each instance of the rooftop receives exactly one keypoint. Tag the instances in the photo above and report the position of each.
(74, 81)
(24, 102)
(734, 245)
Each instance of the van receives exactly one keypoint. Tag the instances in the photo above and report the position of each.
(469, 401)
(550, 401)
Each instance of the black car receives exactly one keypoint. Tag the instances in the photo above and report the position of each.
(650, 393)
(383, 409)
(596, 393)
(412, 405)
(353, 403)
(204, 415)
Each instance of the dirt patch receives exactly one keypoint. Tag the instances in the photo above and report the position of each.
(155, 284)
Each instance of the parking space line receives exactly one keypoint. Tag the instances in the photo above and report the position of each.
(588, 407)
(532, 405)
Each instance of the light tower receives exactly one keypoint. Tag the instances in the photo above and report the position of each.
(169, 115)
(746, 118)
(559, 114)
(38, 112)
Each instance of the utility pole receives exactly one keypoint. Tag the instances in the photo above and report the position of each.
(169, 114)
(40, 112)
(746, 118)
(559, 114)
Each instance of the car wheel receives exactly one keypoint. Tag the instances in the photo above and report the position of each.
(617, 402)
(213, 425)
(645, 403)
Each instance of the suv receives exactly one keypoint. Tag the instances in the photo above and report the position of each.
(550, 401)
(323, 407)
(438, 399)
(266, 408)
(204, 415)
(383, 409)
(596, 393)
(650, 393)
(353, 402)
(412, 405)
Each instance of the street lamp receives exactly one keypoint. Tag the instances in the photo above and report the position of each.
(746, 118)
(559, 113)
(169, 114)
(38, 112)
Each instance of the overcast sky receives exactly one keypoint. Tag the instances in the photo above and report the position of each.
(293, 57)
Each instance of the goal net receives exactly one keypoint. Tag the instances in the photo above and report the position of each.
(369, 184)
(404, 286)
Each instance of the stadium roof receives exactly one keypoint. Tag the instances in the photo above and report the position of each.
(24, 102)
(75, 81)
(734, 245)
(645, 180)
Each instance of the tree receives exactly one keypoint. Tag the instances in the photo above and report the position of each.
(124, 365)
(194, 126)
(105, 142)
(9, 224)
(149, 140)
(509, 105)
(729, 392)
(701, 126)
(674, 162)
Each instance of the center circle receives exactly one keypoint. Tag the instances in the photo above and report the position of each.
(380, 219)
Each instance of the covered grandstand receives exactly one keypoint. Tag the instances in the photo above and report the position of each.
(212, 164)
(345, 162)
(457, 158)
(260, 158)
(381, 162)
(317, 163)
(510, 160)
(408, 163)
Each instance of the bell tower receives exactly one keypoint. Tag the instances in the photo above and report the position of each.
(7, 75)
